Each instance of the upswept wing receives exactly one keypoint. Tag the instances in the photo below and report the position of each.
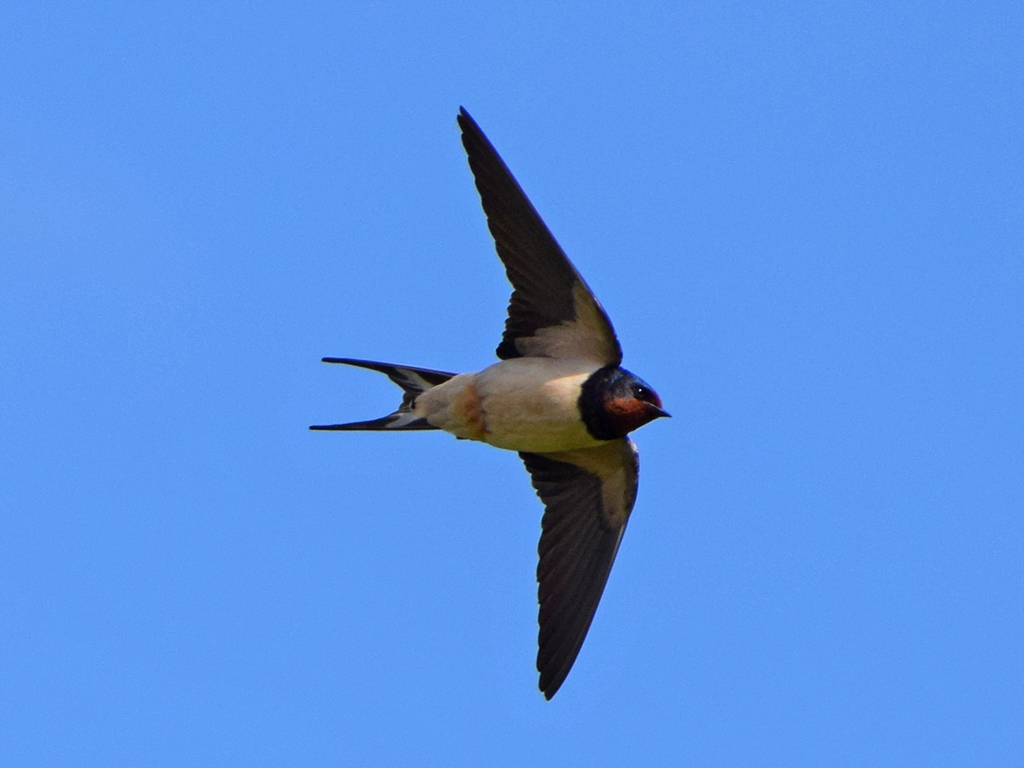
(552, 312)
(588, 495)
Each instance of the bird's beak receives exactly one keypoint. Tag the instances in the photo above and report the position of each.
(658, 412)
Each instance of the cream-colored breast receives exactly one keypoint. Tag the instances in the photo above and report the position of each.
(524, 404)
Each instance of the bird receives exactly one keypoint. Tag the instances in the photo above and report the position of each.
(558, 397)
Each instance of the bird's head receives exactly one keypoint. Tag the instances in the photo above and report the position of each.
(613, 402)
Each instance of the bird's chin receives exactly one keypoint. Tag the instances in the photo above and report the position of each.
(647, 414)
(626, 414)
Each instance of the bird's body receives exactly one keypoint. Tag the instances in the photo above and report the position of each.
(523, 404)
(558, 397)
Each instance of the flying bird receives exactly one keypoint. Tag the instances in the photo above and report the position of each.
(558, 397)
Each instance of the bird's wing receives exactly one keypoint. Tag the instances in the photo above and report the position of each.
(552, 312)
(588, 495)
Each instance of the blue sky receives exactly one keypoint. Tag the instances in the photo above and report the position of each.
(806, 222)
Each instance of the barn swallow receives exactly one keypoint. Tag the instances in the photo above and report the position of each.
(558, 397)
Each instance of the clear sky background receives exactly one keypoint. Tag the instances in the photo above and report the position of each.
(806, 221)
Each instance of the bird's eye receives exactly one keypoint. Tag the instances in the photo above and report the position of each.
(640, 393)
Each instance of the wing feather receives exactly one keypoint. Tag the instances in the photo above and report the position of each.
(552, 312)
(588, 495)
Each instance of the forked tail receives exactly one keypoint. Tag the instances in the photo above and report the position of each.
(413, 381)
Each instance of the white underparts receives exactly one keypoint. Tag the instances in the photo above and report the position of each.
(523, 404)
